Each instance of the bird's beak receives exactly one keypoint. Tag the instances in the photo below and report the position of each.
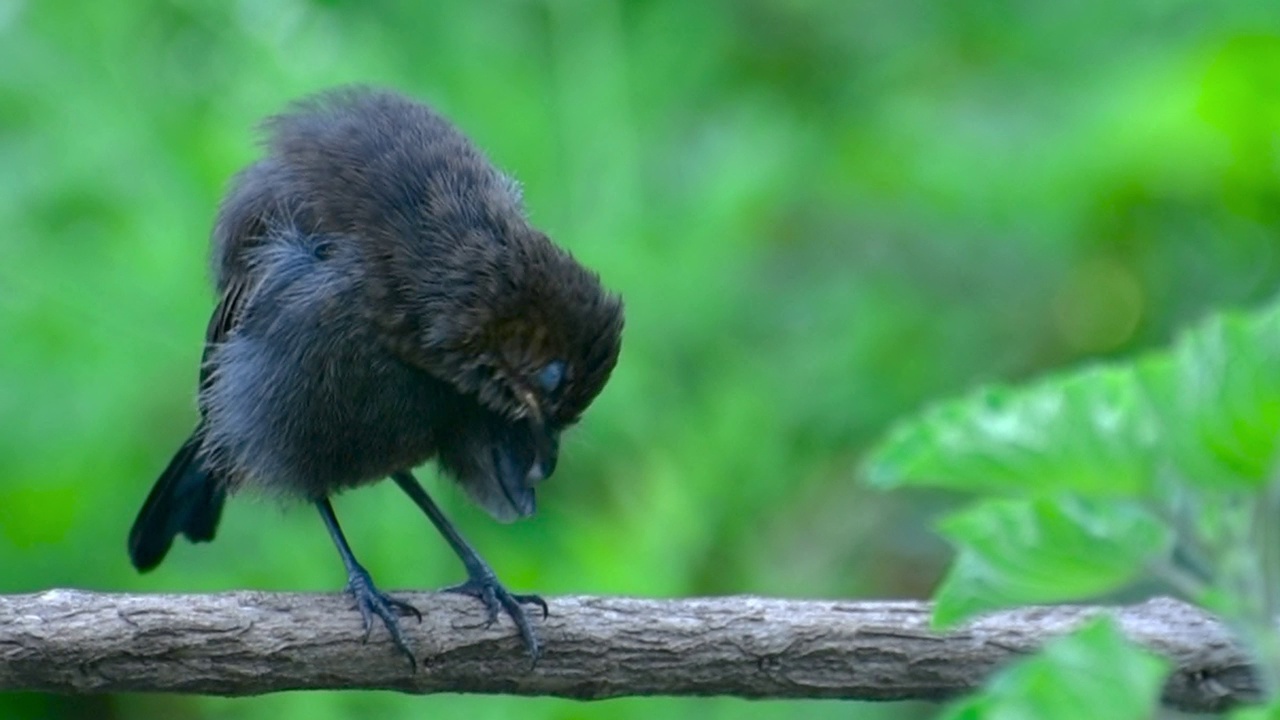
(525, 458)
(546, 452)
(546, 444)
(512, 474)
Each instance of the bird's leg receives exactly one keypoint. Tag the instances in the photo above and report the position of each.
(481, 581)
(369, 600)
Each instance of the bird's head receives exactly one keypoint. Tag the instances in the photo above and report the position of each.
(528, 341)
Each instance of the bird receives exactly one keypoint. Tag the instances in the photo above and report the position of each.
(383, 300)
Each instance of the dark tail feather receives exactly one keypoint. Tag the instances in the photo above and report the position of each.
(186, 499)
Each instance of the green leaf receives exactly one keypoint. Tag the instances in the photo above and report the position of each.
(1209, 408)
(1089, 432)
(1218, 394)
(1093, 673)
(1019, 551)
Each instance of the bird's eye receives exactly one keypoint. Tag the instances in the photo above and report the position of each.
(323, 250)
(550, 377)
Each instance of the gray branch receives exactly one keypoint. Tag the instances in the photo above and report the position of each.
(246, 643)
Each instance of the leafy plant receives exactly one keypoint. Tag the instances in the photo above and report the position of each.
(1159, 468)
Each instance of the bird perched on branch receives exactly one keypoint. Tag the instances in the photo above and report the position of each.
(383, 301)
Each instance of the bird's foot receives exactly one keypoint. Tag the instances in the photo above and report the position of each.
(371, 601)
(496, 598)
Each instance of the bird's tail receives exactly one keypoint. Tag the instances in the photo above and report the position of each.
(186, 499)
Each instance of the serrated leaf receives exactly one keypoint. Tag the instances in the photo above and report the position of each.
(1209, 408)
(1093, 673)
(1089, 432)
(1044, 550)
(1218, 394)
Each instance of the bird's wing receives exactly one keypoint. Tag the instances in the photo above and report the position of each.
(253, 203)
(225, 318)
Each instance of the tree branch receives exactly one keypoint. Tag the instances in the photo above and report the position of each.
(246, 643)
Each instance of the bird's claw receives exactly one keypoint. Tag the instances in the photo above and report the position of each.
(370, 602)
(496, 599)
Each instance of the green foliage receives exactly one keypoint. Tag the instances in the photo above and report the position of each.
(1017, 552)
(1092, 673)
(1219, 397)
(1092, 460)
(1088, 433)
(1091, 479)
(1208, 409)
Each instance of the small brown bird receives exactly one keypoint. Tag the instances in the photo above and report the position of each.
(383, 301)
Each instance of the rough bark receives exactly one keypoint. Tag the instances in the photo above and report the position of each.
(246, 643)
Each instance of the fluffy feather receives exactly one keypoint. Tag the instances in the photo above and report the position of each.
(385, 301)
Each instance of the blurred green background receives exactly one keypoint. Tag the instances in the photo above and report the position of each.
(822, 215)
